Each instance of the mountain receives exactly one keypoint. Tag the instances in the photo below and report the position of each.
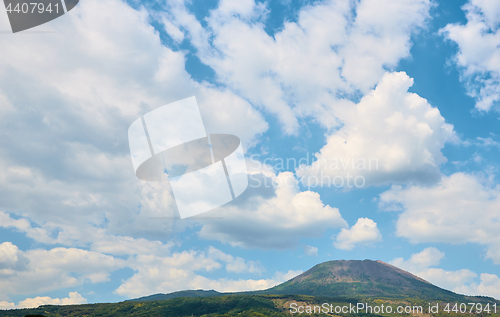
(243, 306)
(361, 279)
(337, 283)
(190, 293)
(348, 279)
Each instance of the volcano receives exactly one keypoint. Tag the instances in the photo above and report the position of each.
(365, 278)
(353, 279)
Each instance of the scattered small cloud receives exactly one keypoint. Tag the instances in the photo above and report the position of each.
(364, 232)
(272, 221)
(74, 298)
(477, 59)
(310, 250)
(460, 208)
(423, 264)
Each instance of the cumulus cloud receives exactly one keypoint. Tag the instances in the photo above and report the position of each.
(489, 284)
(364, 232)
(479, 47)
(184, 270)
(426, 258)
(38, 270)
(311, 68)
(461, 208)
(83, 97)
(461, 281)
(123, 245)
(310, 250)
(11, 259)
(334, 48)
(277, 221)
(235, 264)
(160, 270)
(423, 265)
(74, 298)
(7, 305)
(391, 135)
(65, 174)
(65, 158)
(98, 239)
(157, 268)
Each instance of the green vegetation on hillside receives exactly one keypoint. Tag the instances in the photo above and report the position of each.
(327, 286)
(177, 307)
(228, 306)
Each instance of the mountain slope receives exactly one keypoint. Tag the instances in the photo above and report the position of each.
(361, 278)
(348, 279)
(190, 293)
(338, 283)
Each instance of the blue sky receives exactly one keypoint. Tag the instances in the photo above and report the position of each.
(413, 85)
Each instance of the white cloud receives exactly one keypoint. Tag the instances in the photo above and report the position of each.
(487, 142)
(423, 265)
(235, 264)
(461, 208)
(225, 285)
(391, 135)
(120, 245)
(277, 221)
(98, 239)
(437, 276)
(226, 112)
(157, 268)
(460, 281)
(7, 305)
(426, 258)
(448, 279)
(310, 250)
(156, 274)
(74, 298)
(243, 8)
(38, 270)
(489, 285)
(364, 232)
(335, 48)
(381, 37)
(74, 114)
(92, 266)
(65, 157)
(64, 154)
(11, 259)
(23, 225)
(479, 47)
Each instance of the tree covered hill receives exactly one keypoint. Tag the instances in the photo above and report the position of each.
(232, 305)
